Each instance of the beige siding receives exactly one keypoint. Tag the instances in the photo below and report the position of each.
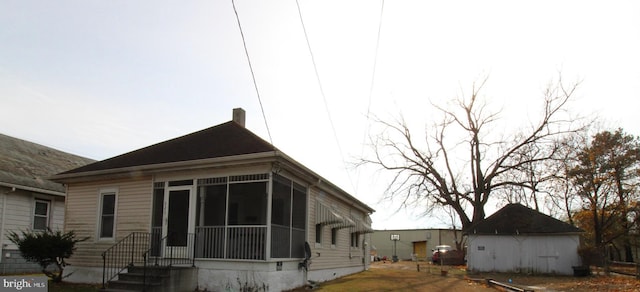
(133, 213)
(57, 214)
(19, 211)
(324, 255)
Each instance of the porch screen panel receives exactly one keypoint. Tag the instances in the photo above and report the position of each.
(247, 220)
(281, 201)
(288, 220)
(299, 220)
(211, 205)
(211, 213)
(281, 217)
(247, 204)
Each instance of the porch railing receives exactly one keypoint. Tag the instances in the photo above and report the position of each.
(174, 249)
(231, 242)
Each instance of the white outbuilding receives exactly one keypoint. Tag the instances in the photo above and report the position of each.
(521, 240)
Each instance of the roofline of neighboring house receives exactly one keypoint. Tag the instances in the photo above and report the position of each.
(33, 189)
(418, 229)
(245, 159)
(525, 233)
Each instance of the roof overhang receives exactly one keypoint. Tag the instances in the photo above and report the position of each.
(284, 162)
(142, 170)
(32, 189)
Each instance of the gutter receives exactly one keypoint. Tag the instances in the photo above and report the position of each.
(33, 189)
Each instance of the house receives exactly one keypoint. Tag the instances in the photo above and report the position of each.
(522, 240)
(238, 211)
(28, 200)
(412, 244)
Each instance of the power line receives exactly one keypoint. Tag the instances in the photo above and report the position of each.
(326, 106)
(375, 59)
(253, 76)
(373, 76)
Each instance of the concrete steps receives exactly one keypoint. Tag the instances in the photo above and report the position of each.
(156, 279)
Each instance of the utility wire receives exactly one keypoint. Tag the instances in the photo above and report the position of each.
(326, 106)
(373, 77)
(375, 60)
(253, 76)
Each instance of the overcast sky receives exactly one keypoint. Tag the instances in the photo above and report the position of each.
(101, 78)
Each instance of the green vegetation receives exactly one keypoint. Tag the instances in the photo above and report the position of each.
(46, 248)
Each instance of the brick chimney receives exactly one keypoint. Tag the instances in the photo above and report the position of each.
(238, 116)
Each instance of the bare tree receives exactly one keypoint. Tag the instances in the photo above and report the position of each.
(461, 164)
(532, 176)
(562, 193)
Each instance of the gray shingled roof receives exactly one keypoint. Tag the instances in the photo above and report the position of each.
(227, 139)
(516, 219)
(27, 164)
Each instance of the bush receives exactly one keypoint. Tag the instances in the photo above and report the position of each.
(45, 248)
(591, 255)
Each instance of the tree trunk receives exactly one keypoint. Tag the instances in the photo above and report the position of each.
(597, 229)
(628, 253)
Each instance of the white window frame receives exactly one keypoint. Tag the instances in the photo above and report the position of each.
(47, 216)
(101, 194)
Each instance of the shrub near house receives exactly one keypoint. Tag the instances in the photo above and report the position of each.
(46, 248)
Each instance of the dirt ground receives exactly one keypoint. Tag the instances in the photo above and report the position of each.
(404, 276)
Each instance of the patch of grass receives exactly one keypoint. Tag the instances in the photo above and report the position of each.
(371, 281)
(409, 279)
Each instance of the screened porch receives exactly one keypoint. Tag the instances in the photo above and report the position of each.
(235, 217)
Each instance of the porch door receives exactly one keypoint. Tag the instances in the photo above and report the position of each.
(178, 216)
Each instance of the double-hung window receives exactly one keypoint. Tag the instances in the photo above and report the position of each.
(318, 233)
(41, 214)
(107, 214)
(354, 239)
(334, 236)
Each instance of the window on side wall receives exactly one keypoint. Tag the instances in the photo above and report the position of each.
(41, 214)
(107, 214)
(354, 239)
(334, 236)
(319, 233)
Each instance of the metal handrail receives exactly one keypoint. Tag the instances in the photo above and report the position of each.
(138, 247)
(123, 254)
